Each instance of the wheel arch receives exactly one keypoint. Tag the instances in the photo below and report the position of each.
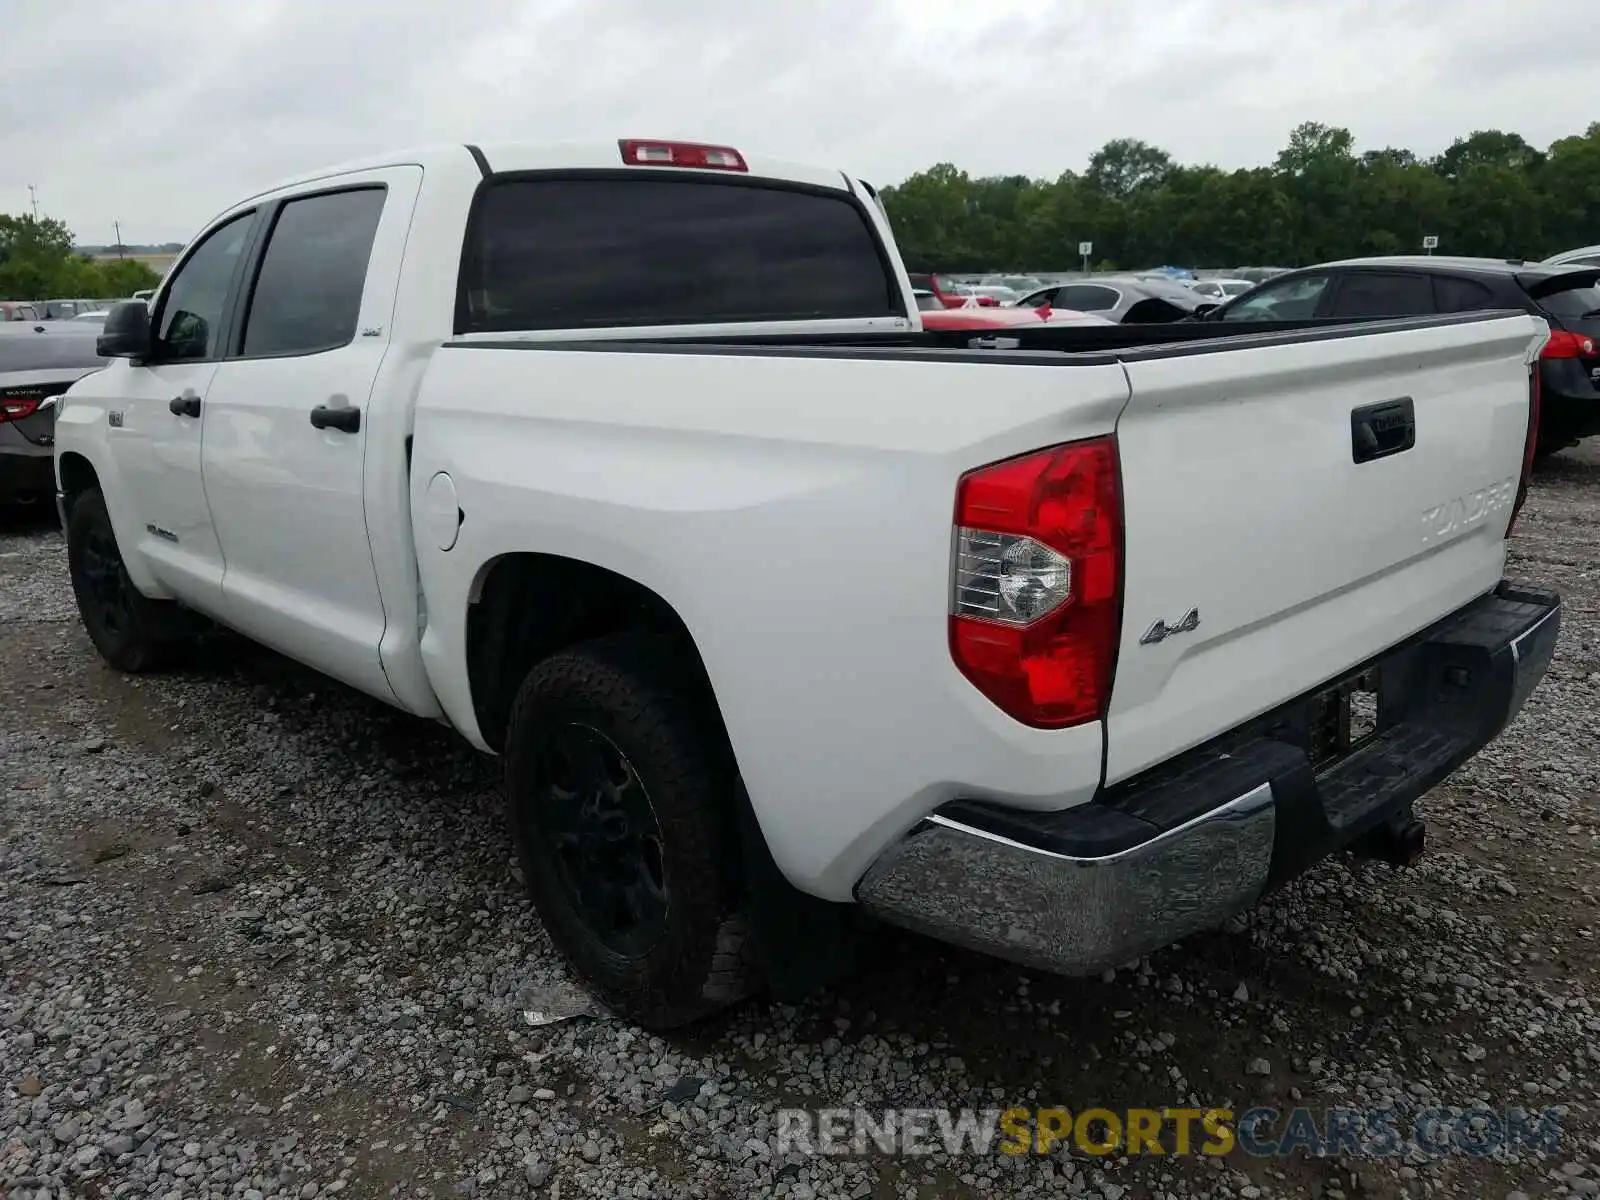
(525, 606)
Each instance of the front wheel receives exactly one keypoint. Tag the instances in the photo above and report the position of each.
(621, 793)
(132, 632)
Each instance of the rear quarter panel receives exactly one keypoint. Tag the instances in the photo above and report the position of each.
(796, 513)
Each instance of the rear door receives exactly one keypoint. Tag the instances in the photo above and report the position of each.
(1312, 499)
(285, 437)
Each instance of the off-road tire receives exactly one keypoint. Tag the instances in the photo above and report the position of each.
(141, 634)
(648, 698)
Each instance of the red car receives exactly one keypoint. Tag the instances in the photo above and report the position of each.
(935, 316)
(950, 293)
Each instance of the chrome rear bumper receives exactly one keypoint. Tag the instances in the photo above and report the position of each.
(1201, 838)
(1074, 915)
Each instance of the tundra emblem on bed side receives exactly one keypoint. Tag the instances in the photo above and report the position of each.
(1161, 631)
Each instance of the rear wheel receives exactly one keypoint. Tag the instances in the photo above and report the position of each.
(131, 632)
(621, 792)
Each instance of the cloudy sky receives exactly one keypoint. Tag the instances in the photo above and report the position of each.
(157, 114)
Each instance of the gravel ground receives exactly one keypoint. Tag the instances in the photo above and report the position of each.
(260, 937)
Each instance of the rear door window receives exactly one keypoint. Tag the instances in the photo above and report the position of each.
(1381, 294)
(618, 252)
(308, 290)
(1461, 295)
(1083, 297)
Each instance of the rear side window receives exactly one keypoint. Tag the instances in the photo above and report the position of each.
(1582, 300)
(308, 292)
(1367, 294)
(592, 253)
(1461, 295)
(1087, 297)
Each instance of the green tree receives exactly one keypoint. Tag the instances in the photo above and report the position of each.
(1490, 193)
(37, 262)
(1124, 166)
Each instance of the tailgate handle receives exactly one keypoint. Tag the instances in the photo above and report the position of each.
(1379, 430)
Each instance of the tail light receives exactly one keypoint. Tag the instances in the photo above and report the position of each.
(15, 408)
(681, 154)
(1528, 447)
(1036, 602)
(1566, 344)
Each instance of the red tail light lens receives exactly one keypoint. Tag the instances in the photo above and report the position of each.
(639, 153)
(15, 408)
(1565, 344)
(1036, 602)
(1528, 447)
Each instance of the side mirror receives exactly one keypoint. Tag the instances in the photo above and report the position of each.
(126, 332)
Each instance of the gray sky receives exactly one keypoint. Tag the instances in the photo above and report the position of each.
(160, 113)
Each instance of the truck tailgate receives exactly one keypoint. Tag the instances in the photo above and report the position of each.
(1292, 508)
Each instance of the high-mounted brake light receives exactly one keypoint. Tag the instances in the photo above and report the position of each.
(640, 153)
(1566, 344)
(1036, 599)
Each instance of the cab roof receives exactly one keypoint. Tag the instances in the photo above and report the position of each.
(506, 157)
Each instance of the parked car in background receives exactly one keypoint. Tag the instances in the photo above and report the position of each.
(1584, 256)
(1259, 274)
(1220, 289)
(1000, 295)
(1020, 284)
(18, 310)
(951, 293)
(65, 310)
(1123, 299)
(994, 320)
(1567, 296)
(34, 367)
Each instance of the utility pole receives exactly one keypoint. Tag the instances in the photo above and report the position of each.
(33, 197)
(117, 225)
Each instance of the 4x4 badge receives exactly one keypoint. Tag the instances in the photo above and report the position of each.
(1161, 631)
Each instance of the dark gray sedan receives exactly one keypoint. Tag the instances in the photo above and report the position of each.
(35, 364)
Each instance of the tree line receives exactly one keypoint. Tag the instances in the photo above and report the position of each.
(38, 262)
(1491, 193)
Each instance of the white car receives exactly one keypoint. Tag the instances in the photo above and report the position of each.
(1584, 256)
(774, 605)
(1220, 289)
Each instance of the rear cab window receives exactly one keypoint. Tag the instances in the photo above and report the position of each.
(1453, 294)
(620, 250)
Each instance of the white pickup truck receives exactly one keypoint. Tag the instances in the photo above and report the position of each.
(632, 463)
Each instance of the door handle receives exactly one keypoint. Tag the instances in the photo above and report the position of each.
(346, 419)
(1379, 430)
(187, 405)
